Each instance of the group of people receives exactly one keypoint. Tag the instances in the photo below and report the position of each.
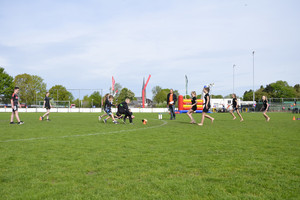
(123, 111)
(172, 98)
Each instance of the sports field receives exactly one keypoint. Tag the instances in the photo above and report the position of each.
(76, 157)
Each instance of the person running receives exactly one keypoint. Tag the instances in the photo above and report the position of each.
(123, 109)
(193, 108)
(14, 101)
(171, 100)
(235, 107)
(108, 105)
(206, 106)
(46, 105)
(105, 101)
(265, 107)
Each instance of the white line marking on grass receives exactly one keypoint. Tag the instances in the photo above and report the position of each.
(84, 135)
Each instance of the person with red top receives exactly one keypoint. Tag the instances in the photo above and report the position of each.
(171, 100)
(14, 105)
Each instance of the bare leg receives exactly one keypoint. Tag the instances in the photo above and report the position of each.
(238, 112)
(12, 117)
(209, 117)
(189, 113)
(266, 116)
(202, 120)
(17, 116)
(231, 112)
(113, 118)
(103, 115)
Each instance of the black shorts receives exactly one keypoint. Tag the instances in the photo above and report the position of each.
(235, 109)
(264, 109)
(194, 108)
(206, 109)
(48, 108)
(15, 108)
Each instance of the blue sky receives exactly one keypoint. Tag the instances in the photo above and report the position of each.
(81, 44)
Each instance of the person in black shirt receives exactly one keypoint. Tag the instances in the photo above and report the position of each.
(105, 101)
(235, 107)
(14, 101)
(265, 107)
(107, 109)
(123, 109)
(171, 101)
(46, 105)
(193, 108)
(206, 106)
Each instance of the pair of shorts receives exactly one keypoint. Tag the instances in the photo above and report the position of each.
(14, 109)
(108, 112)
(194, 108)
(234, 109)
(206, 109)
(48, 108)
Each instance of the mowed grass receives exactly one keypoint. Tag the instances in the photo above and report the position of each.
(76, 157)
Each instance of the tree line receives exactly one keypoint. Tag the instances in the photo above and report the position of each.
(33, 89)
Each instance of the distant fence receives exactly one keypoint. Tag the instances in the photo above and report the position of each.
(281, 105)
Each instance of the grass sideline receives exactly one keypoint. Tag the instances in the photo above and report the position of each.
(76, 157)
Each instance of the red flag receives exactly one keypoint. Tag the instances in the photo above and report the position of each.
(113, 84)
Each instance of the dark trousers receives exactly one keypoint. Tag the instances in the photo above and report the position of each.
(172, 111)
(127, 114)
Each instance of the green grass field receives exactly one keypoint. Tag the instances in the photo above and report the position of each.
(76, 157)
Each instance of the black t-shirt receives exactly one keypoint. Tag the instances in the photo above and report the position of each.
(15, 99)
(47, 102)
(234, 105)
(108, 104)
(194, 100)
(123, 107)
(207, 100)
(265, 104)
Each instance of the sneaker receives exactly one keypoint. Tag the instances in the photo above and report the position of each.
(12, 123)
(48, 120)
(99, 118)
(20, 122)
(116, 122)
(131, 123)
(105, 120)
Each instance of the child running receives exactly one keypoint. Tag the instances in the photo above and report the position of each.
(123, 109)
(235, 107)
(206, 106)
(46, 105)
(14, 105)
(265, 107)
(108, 105)
(193, 108)
(105, 101)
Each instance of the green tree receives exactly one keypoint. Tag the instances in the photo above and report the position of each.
(125, 93)
(60, 92)
(118, 87)
(95, 98)
(280, 89)
(217, 96)
(161, 96)
(297, 90)
(32, 88)
(6, 85)
(156, 90)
